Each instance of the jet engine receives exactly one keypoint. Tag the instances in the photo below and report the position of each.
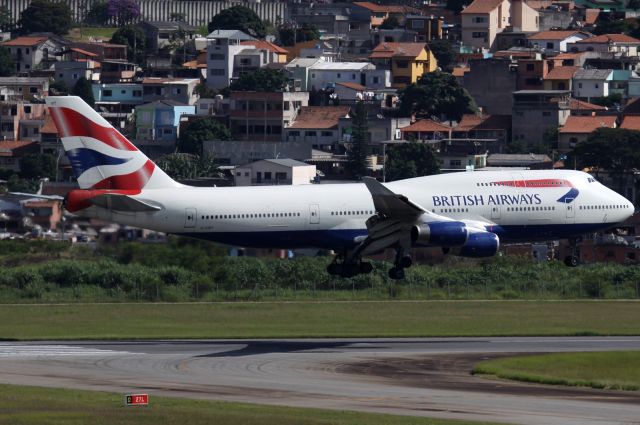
(440, 233)
(479, 244)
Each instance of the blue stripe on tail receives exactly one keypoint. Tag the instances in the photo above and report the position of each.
(83, 159)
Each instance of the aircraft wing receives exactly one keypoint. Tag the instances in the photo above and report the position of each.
(21, 195)
(390, 204)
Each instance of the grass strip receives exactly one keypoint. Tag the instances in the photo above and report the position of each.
(318, 319)
(21, 405)
(617, 370)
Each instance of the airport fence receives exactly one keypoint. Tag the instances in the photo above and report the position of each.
(46, 272)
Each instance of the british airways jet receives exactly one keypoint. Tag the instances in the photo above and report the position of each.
(466, 214)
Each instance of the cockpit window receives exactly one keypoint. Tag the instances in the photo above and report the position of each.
(591, 180)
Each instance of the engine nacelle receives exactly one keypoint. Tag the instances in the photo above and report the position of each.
(479, 244)
(441, 233)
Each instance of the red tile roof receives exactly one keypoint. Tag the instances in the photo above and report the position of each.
(553, 35)
(389, 8)
(631, 122)
(26, 41)
(83, 52)
(576, 104)
(321, 117)
(353, 86)
(482, 6)
(426, 126)
(48, 127)
(263, 44)
(404, 50)
(585, 125)
(484, 122)
(564, 56)
(591, 16)
(561, 73)
(8, 146)
(610, 38)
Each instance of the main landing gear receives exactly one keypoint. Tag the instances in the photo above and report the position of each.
(402, 261)
(348, 268)
(572, 260)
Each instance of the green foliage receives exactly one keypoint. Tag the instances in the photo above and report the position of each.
(37, 166)
(610, 23)
(289, 36)
(517, 146)
(178, 17)
(239, 18)
(98, 14)
(610, 101)
(182, 166)
(409, 160)
(612, 149)
(444, 53)
(359, 147)
(457, 5)
(390, 23)
(205, 92)
(436, 94)
(6, 23)
(46, 16)
(134, 38)
(17, 184)
(200, 130)
(7, 66)
(83, 90)
(263, 79)
(58, 88)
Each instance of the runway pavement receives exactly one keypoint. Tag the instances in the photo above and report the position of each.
(421, 377)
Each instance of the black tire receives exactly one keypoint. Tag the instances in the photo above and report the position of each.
(366, 268)
(406, 262)
(350, 270)
(334, 269)
(572, 261)
(396, 273)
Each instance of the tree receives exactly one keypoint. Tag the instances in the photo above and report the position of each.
(134, 38)
(6, 23)
(457, 5)
(390, 23)
(412, 159)
(123, 12)
(37, 166)
(615, 150)
(200, 130)
(358, 150)
(614, 99)
(263, 79)
(178, 17)
(46, 16)
(58, 88)
(7, 67)
(183, 166)
(436, 94)
(204, 91)
(83, 89)
(444, 53)
(239, 18)
(289, 36)
(98, 14)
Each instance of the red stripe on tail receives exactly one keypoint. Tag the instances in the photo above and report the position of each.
(71, 123)
(133, 181)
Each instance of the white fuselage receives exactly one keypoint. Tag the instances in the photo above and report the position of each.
(518, 205)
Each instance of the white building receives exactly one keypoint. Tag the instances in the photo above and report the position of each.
(556, 41)
(275, 172)
(324, 75)
(588, 83)
(222, 47)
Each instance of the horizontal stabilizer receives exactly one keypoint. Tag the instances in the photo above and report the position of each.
(124, 203)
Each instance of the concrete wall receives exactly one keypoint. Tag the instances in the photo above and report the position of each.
(198, 12)
(492, 83)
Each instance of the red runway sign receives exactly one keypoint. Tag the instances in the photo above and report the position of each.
(136, 399)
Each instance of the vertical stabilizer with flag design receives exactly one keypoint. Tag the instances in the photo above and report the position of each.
(100, 156)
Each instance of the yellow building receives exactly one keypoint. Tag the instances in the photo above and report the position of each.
(406, 61)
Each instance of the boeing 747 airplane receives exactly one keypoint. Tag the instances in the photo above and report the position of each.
(466, 214)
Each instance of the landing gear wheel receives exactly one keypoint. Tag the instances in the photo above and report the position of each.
(334, 269)
(350, 270)
(396, 273)
(366, 268)
(406, 262)
(571, 261)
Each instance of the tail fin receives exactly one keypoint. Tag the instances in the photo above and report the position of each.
(100, 156)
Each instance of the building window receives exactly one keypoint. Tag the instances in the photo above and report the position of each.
(479, 34)
(137, 93)
(33, 90)
(216, 72)
(216, 56)
(281, 176)
(267, 175)
(294, 133)
(376, 80)
(417, 24)
(455, 162)
(327, 133)
(597, 85)
(402, 64)
(27, 109)
(107, 93)
(479, 19)
(579, 85)
(310, 133)
(167, 131)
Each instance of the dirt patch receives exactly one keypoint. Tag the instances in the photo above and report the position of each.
(453, 372)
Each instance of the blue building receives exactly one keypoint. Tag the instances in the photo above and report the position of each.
(158, 124)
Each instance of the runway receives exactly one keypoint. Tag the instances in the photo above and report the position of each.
(418, 377)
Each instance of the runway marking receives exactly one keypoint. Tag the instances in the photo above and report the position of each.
(13, 350)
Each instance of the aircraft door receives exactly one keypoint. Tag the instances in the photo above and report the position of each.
(570, 210)
(190, 217)
(314, 214)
